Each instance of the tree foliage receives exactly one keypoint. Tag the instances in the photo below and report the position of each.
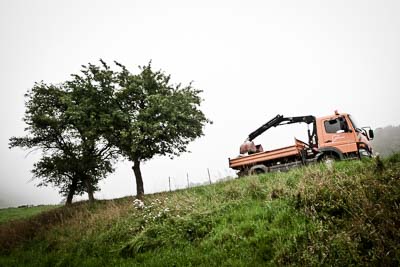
(63, 122)
(82, 124)
(156, 117)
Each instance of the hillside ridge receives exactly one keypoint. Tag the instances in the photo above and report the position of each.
(315, 215)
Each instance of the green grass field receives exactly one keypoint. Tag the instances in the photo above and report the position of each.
(10, 214)
(312, 216)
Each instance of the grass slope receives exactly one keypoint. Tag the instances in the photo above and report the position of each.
(10, 214)
(344, 215)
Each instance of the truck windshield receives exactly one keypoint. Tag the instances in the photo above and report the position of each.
(354, 122)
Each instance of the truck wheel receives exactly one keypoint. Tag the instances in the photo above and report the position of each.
(258, 169)
(243, 173)
(328, 160)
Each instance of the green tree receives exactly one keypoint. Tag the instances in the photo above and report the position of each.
(65, 122)
(82, 124)
(153, 117)
(57, 170)
(89, 95)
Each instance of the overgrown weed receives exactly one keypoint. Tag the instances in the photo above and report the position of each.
(357, 209)
(345, 215)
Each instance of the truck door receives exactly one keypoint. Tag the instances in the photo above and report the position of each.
(338, 133)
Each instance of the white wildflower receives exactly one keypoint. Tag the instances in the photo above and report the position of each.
(138, 204)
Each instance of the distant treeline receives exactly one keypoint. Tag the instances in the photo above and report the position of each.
(387, 140)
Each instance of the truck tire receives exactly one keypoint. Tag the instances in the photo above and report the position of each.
(328, 159)
(329, 152)
(242, 173)
(258, 169)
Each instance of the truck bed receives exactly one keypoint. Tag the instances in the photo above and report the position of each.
(263, 157)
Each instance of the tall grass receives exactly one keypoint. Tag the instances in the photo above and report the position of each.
(12, 214)
(356, 207)
(345, 215)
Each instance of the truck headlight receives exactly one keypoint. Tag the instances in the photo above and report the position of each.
(364, 153)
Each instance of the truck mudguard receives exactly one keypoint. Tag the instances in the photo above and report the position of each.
(260, 168)
(329, 150)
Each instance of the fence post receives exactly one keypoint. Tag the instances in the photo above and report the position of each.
(209, 177)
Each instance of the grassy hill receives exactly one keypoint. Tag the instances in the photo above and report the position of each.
(23, 212)
(345, 215)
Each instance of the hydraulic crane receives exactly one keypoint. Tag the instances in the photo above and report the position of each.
(248, 145)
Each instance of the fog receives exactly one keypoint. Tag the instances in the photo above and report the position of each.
(252, 59)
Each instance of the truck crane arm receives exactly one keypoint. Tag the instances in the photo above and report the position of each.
(249, 147)
(280, 120)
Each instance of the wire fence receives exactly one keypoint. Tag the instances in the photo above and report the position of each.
(193, 182)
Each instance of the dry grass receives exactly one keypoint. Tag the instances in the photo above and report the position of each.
(78, 217)
(345, 215)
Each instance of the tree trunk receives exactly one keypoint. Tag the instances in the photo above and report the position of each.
(139, 180)
(71, 192)
(89, 189)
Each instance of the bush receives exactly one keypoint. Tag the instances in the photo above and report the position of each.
(358, 210)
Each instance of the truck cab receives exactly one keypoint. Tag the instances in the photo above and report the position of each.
(339, 136)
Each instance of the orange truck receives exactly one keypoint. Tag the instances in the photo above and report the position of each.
(333, 137)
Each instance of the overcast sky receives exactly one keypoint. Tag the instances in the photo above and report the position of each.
(252, 59)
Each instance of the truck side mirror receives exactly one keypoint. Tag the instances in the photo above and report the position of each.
(371, 134)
